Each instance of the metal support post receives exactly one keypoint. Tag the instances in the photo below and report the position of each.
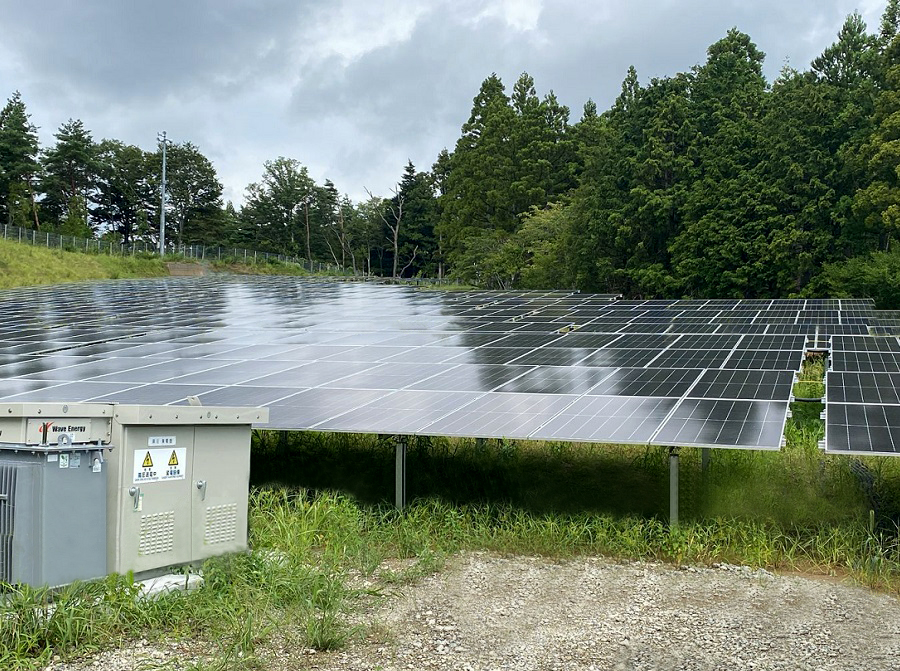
(704, 460)
(162, 196)
(673, 488)
(400, 472)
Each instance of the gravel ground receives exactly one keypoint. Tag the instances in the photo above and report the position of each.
(484, 612)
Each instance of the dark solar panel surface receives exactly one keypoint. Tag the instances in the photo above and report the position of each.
(357, 357)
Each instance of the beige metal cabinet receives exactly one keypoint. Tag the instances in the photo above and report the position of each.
(182, 483)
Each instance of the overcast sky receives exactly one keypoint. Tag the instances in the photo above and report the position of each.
(354, 88)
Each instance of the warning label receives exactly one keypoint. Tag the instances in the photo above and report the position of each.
(159, 464)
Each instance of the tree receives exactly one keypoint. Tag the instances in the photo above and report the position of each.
(878, 203)
(69, 178)
(194, 195)
(720, 248)
(124, 188)
(277, 207)
(478, 195)
(391, 213)
(18, 162)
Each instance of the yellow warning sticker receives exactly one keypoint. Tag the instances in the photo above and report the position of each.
(151, 465)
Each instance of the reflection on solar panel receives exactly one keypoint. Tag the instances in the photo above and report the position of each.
(717, 423)
(608, 419)
(551, 364)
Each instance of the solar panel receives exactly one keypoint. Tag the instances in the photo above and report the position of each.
(392, 359)
(767, 385)
(620, 358)
(644, 341)
(707, 342)
(880, 388)
(767, 342)
(608, 419)
(865, 344)
(766, 359)
(718, 423)
(400, 412)
(866, 361)
(862, 429)
(663, 382)
(502, 415)
(557, 380)
(578, 340)
(472, 378)
(690, 358)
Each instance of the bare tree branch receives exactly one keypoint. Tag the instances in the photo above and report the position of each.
(413, 258)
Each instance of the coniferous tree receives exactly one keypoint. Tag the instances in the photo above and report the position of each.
(18, 164)
(69, 179)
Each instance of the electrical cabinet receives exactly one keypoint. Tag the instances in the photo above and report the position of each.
(53, 492)
(179, 485)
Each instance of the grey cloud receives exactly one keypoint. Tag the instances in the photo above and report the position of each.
(249, 80)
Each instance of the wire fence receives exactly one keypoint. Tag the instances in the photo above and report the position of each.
(200, 252)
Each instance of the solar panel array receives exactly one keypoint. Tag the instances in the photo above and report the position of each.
(386, 359)
(862, 410)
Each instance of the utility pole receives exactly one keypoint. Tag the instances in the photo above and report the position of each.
(162, 194)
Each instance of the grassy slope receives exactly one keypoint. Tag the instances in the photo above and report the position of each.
(27, 265)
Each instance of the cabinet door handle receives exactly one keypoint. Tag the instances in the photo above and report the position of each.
(201, 485)
(135, 493)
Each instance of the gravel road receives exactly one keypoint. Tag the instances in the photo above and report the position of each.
(484, 612)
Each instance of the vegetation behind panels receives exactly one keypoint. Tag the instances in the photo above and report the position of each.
(709, 182)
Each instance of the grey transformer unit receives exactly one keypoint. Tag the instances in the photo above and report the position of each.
(88, 489)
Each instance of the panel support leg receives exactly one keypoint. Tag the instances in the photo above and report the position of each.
(400, 472)
(704, 460)
(673, 488)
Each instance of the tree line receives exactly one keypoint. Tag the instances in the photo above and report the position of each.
(710, 182)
